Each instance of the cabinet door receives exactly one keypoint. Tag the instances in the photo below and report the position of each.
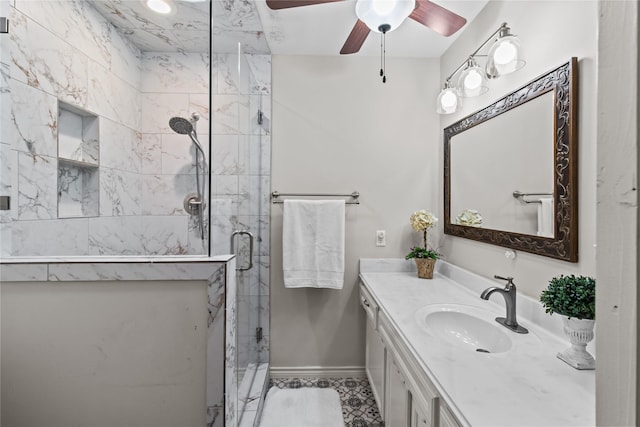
(419, 415)
(397, 397)
(374, 364)
(447, 419)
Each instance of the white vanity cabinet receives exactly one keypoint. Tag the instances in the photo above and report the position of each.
(375, 352)
(404, 394)
(397, 401)
(436, 381)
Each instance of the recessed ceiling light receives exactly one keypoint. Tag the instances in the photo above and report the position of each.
(163, 7)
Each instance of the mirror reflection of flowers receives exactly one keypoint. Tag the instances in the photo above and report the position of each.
(423, 221)
(469, 217)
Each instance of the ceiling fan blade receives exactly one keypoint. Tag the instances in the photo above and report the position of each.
(439, 19)
(356, 38)
(288, 4)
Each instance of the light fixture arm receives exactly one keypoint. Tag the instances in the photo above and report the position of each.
(503, 28)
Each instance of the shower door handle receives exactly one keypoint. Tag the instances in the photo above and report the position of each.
(233, 241)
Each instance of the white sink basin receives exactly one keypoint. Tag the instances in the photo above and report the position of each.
(469, 327)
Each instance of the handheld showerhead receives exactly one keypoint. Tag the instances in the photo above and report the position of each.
(185, 127)
(180, 125)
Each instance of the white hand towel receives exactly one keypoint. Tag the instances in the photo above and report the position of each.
(545, 217)
(313, 243)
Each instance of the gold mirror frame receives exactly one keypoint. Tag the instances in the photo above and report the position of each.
(563, 82)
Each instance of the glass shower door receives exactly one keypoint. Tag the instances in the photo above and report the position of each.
(240, 210)
(251, 213)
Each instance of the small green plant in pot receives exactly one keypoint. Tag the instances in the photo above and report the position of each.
(424, 257)
(574, 298)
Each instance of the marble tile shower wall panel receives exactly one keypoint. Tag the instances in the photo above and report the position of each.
(134, 235)
(175, 85)
(64, 50)
(8, 162)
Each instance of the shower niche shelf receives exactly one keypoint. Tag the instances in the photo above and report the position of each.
(78, 162)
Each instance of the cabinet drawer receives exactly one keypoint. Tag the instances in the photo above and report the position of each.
(369, 306)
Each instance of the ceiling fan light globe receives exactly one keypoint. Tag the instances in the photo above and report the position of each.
(376, 13)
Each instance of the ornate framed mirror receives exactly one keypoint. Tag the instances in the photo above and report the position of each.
(510, 169)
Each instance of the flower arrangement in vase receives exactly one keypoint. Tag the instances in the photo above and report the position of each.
(574, 298)
(424, 257)
(469, 217)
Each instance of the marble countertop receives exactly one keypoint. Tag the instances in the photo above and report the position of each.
(529, 388)
(109, 268)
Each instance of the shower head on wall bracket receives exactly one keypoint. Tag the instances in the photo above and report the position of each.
(193, 202)
(185, 127)
(181, 125)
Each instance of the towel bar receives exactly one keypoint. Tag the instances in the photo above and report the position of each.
(520, 196)
(355, 196)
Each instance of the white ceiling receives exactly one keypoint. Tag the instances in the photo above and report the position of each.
(187, 29)
(311, 30)
(322, 30)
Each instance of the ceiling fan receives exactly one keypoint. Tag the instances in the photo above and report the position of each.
(383, 16)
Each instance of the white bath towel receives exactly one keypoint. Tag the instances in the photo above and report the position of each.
(313, 243)
(545, 217)
(302, 407)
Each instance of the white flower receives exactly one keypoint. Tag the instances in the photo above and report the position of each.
(423, 220)
(470, 217)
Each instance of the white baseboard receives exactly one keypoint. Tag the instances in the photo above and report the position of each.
(317, 372)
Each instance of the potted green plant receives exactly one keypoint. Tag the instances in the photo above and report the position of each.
(424, 257)
(574, 298)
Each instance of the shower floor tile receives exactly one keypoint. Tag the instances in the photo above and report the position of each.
(359, 407)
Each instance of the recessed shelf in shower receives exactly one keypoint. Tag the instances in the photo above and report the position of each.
(78, 162)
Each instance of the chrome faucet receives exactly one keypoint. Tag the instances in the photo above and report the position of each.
(509, 294)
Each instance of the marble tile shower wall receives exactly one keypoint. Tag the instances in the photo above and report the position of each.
(241, 170)
(65, 51)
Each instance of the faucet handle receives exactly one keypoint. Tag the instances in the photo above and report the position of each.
(508, 279)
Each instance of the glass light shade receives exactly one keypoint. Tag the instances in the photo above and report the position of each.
(473, 80)
(504, 57)
(448, 101)
(375, 13)
(163, 7)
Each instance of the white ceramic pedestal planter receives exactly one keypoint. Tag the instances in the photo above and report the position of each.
(580, 332)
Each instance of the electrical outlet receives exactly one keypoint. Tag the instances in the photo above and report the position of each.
(381, 238)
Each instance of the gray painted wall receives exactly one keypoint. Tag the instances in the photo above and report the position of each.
(551, 33)
(104, 353)
(337, 128)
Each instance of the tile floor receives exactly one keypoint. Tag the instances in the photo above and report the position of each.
(359, 408)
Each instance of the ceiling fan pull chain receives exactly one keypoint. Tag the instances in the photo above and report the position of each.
(384, 56)
(383, 51)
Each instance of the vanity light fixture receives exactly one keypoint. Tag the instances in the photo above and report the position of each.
(163, 7)
(448, 100)
(473, 80)
(503, 57)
